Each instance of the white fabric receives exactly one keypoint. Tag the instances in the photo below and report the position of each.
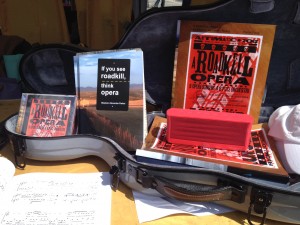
(284, 124)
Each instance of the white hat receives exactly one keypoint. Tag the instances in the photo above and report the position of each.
(284, 124)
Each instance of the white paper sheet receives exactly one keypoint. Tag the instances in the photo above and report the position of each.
(7, 171)
(151, 208)
(7, 168)
(57, 198)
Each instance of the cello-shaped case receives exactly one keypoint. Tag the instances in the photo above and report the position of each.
(155, 33)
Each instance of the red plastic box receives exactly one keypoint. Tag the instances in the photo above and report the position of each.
(210, 129)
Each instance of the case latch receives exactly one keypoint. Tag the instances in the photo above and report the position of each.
(115, 171)
(114, 177)
(239, 190)
(259, 202)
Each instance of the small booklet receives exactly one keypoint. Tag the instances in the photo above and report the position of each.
(53, 198)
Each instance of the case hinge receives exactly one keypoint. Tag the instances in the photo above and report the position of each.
(144, 179)
(259, 202)
(114, 177)
(19, 148)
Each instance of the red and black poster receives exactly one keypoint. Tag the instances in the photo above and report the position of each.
(221, 71)
(222, 66)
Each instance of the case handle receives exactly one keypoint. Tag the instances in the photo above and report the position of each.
(194, 192)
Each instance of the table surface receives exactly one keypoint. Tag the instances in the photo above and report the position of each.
(123, 206)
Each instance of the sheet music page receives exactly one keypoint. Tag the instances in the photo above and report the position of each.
(7, 171)
(58, 198)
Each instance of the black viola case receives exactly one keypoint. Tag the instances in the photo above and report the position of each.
(49, 69)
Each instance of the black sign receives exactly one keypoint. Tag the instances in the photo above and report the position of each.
(113, 84)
